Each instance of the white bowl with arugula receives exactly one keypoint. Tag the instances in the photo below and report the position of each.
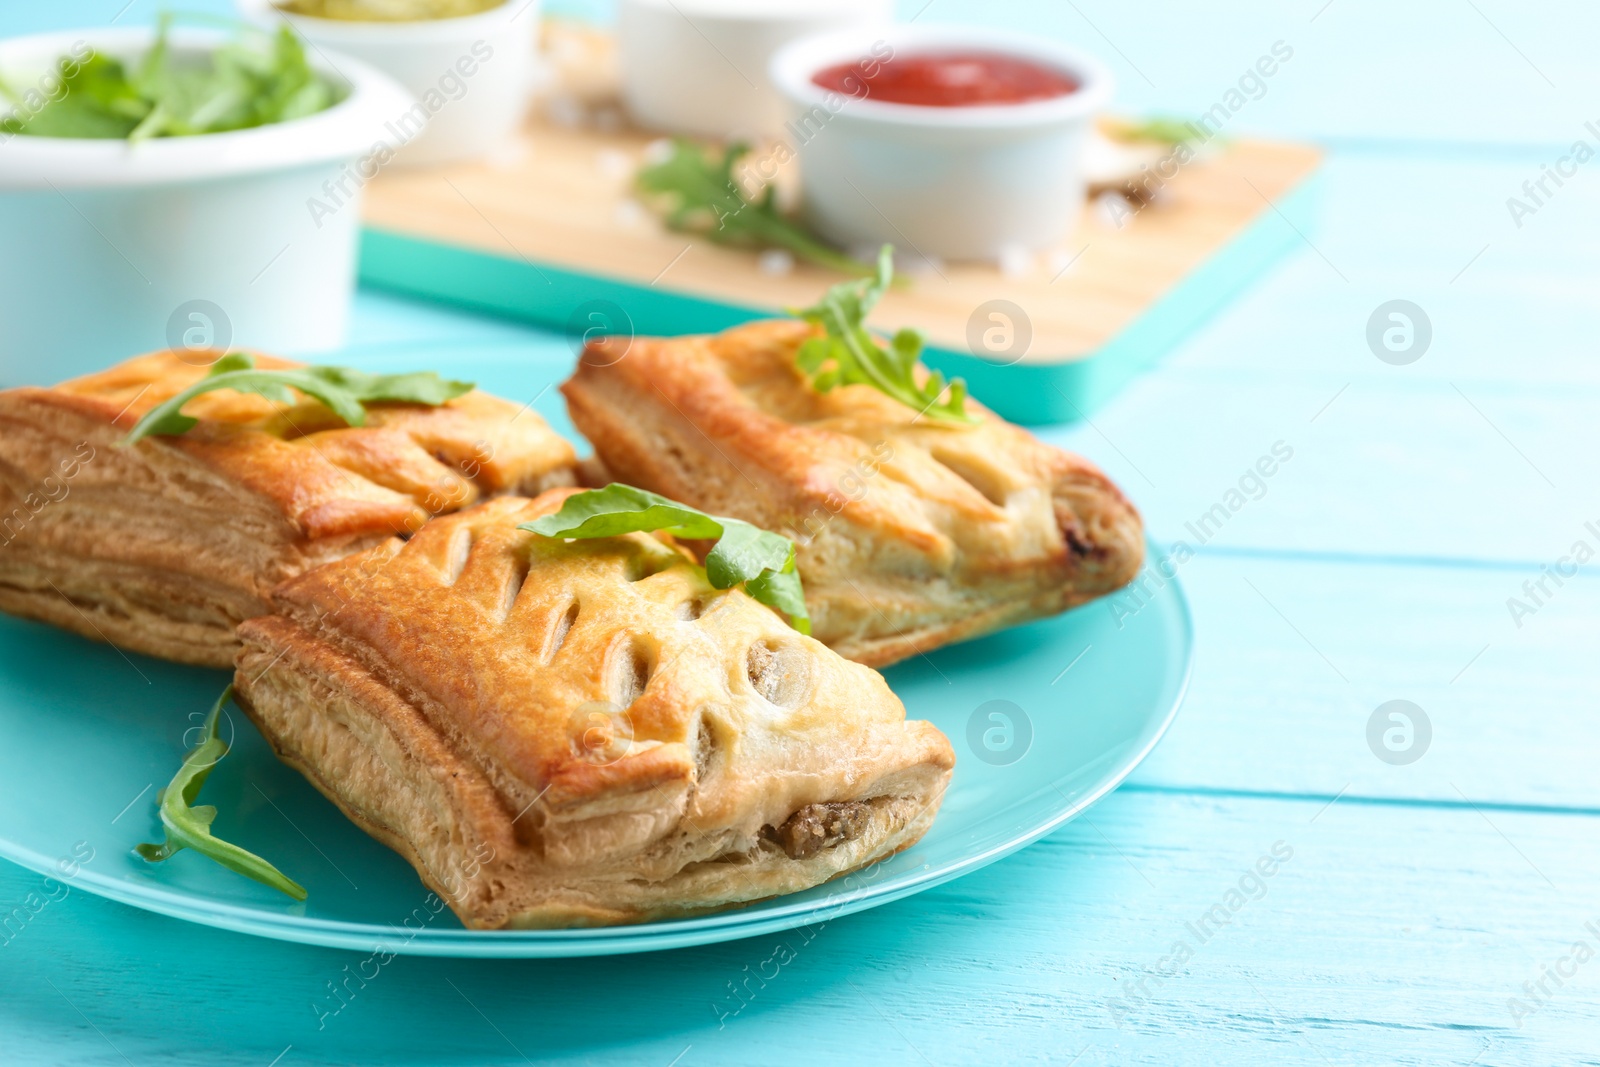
(471, 64)
(187, 188)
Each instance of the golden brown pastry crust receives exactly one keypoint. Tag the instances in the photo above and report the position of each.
(164, 547)
(575, 733)
(912, 534)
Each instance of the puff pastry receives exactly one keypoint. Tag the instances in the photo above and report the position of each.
(911, 533)
(560, 733)
(165, 547)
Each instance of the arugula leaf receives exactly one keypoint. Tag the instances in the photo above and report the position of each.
(700, 196)
(387, 10)
(190, 827)
(343, 390)
(97, 101)
(763, 561)
(1158, 130)
(849, 355)
(253, 80)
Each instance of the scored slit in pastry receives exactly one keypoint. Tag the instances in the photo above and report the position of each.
(563, 733)
(912, 533)
(165, 546)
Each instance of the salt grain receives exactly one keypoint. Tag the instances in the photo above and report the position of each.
(629, 213)
(776, 262)
(1060, 260)
(1016, 261)
(508, 155)
(1112, 210)
(614, 164)
(566, 111)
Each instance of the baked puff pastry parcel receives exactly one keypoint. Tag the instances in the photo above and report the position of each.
(912, 533)
(165, 546)
(565, 733)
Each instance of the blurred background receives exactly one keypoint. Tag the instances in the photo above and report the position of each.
(1364, 71)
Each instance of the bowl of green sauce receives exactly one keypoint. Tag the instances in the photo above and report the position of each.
(471, 64)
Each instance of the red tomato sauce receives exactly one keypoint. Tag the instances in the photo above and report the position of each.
(947, 79)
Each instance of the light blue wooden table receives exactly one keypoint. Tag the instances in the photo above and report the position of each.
(1424, 907)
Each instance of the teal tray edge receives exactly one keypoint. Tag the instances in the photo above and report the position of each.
(1049, 393)
(1028, 393)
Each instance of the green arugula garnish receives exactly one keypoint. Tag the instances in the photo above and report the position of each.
(701, 197)
(344, 391)
(763, 561)
(386, 10)
(1161, 129)
(849, 355)
(190, 827)
(254, 80)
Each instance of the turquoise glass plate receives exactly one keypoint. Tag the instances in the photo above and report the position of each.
(1045, 719)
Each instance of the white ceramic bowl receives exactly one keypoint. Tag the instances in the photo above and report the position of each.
(472, 75)
(700, 66)
(109, 246)
(942, 182)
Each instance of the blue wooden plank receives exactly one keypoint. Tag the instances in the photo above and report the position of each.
(1392, 933)
(1425, 469)
(1294, 656)
(1518, 316)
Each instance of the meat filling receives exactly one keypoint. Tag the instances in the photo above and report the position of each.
(819, 826)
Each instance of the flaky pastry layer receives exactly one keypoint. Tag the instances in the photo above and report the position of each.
(573, 733)
(912, 533)
(165, 547)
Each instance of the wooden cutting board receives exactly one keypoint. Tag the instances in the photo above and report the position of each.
(549, 229)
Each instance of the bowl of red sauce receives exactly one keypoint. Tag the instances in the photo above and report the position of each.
(959, 77)
(953, 142)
